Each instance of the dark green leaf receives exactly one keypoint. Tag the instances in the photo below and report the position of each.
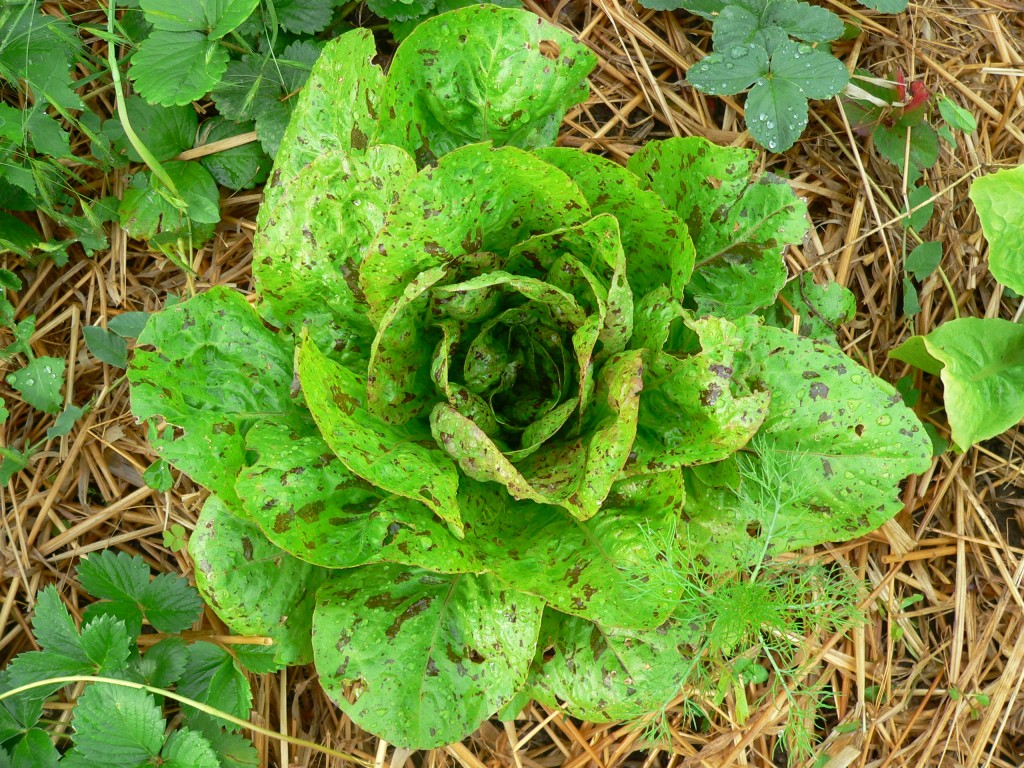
(118, 726)
(215, 18)
(924, 259)
(212, 677)
(887, 6)
(128, 325)
(106, 346)
(920, 218)
(163, 663)
(237, 168)
(147, 211)
(177, 67)
(497, 75)
(891, 143)
(165, 131)
(432, 656)
(158, 476)
(39, 383)
(35, 750)
(303, 16)
(247, 86)
(251, 584)
(186, 748)
(65, 422)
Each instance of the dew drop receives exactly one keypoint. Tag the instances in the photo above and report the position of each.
(738, 52)
(769, 125)
(884, 420)
(856, 379)
(729, 65)
(772, 145)
(848, 475)
(30, 382)
(803, 48)
(48, 369)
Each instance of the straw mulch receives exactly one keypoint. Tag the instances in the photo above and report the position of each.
(905, 684)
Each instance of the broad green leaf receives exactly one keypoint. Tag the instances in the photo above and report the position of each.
(39, 383)
(481, 74)
(924, 259)
(891, 143)
(310, 242)
(400, 10)
(214, 373)
(431, 656)
(825, 465)
(399, 459)
(309, 504)
(158, 476)
(956, 116)
(106, 346)
(446, 215)
(657, 245)
(999, 199)
(106, 644)
(34, 750)
(146, 212)
(186, 748)
(177, 67)
(768, 22)
(251, 584)
(337, 110)
(739, 228)
(128, 325)
(696, 410)
(585, 568)
(118, 726)
(53, 627)
(981, 363)
(162, 664)
(303, 16)
(216, 17)
(822, 309)
(211, 676)
(165, 131)
(248, 86)
(237, 168)
(599, 674)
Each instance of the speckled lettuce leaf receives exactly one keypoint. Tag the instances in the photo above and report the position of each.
(429, 656)
(215, 372)
(577, 474)
(825, 465)
(585, 568)
(999, 200)
(981, 363)
(658, 247)
(695, 409)
(307, 502)
(336, 110)
(739, 227)
(251, 584)
(310, 240)
(599, 674)
(481, 73)
(477, 199)
(399, 459)
(822, 308)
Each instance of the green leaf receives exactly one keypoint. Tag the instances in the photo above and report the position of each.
(582, 567)
(957, 117)
(65, 422)
(163, 663)
(53, 627)
(35, 750)
(177, 67)
(186, 748)
(398, 459)
(106, 346)
(39, 383)
(147, 211)
(251, 584)
(920, 218)
(337, 109)
(599, 674)
(998, 198)
(165, 131)
(247, 86)
(117, 726)
(887, 6)
(431, 656)
(237, 168)
(128, 325)
(826, 462)
(498, 75)
(822, 309)
(981, 362)
(17, 236)
(158, 476)
(739, 228)
(310, 243)
(216, 18)
(303, 16)
(400, 10)
(213, 677)
(924, 259)
(309, 504)
(656, 243)
(891, 143)
(214, 373)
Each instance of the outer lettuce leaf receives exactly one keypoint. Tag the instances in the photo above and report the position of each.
(822, 308)
(399, 459)
(482, 74)
(826, 462)
(337, 109)
(696, 410)
(657, 245)
(600, 673)
(431, 656)
(981, 362)
(251, 584)
(739, 228)
(585, 568)
(309, 246)
(308, 503)
(999, 200)
(216, 371)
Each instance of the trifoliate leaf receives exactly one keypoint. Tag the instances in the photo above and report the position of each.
(106, 643)
(213, 677)
(762, 21)
(247, 86)
(400, 10)
(296, 62)
(147, 213)
(39, 383)
(117, 725)
(177, 67)
(106, 346)
(998, 199)
(215, 18)
(433, 656)
(162, 664)
(271, 126)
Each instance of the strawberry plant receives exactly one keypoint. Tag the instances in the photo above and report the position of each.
(116, 725)
(500, 406)
(778, 49)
